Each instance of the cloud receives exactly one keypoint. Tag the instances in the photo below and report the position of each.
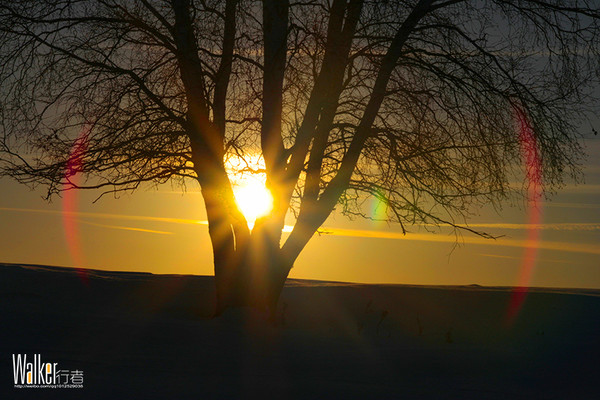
(179, 192)
(571, 205)
(127, 228)
(584, 188)
(428, 237)
(80, 215)
(109, 216)
(438, 238)
(554, 227)
(542, 260)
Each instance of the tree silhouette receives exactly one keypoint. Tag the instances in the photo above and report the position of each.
(422, 104)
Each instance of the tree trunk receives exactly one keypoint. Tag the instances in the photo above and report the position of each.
(252, 276)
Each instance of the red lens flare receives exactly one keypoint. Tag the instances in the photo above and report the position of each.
(532, 161)
(70, 199)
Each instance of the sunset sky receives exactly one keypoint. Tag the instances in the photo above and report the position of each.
(163, 231)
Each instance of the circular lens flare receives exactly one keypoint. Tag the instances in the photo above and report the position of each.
(530, 153)
(70, 202)
(379, 208)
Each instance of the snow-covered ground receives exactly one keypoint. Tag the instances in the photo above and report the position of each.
(138, 336)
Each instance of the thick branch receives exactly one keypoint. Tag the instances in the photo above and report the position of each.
(275, 29)
(304, 229)
(224, 72)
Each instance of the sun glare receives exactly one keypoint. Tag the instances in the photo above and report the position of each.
(248, 180)
(254, 201)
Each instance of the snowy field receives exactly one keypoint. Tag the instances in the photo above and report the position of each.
(141, 336)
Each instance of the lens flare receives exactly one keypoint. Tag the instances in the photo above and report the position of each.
(379, 208)
(70, 199)
(533, 167)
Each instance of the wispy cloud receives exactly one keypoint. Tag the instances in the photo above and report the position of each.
(438, 238)
(428, 237)
(109, 216)
(568, 226)
(542, 260)
(585, 188)
(178, 192)
(571, 205)
(127, 228)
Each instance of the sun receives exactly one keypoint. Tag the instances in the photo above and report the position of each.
(254, 200)
(248, 180)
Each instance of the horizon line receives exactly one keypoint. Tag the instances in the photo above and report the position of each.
(474, 286)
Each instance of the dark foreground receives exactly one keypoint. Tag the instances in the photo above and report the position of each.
(139, 336)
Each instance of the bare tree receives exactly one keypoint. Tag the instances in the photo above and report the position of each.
(416, 102)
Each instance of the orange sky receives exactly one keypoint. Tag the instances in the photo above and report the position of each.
(164, 231)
